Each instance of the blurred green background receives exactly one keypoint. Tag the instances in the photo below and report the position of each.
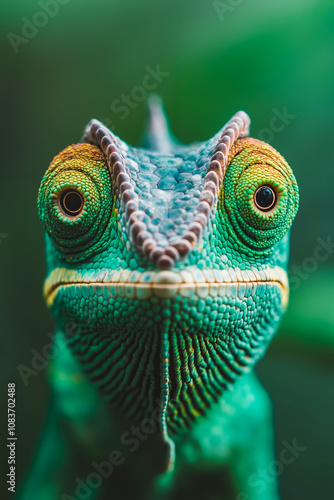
(218, 57)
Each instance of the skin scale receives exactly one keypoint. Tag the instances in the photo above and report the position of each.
(166, 274)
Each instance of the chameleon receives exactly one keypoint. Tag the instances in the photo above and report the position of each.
(167, 278)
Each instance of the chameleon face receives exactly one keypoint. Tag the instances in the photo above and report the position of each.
(173, 265)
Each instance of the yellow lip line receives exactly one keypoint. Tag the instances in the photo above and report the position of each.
(159, 286)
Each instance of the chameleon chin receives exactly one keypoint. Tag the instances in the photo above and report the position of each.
(172, 262)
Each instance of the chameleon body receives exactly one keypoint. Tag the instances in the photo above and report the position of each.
(166, 274)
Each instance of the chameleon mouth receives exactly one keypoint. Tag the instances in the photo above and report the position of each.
(167, 284)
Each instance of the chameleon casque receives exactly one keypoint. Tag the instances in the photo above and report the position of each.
(167, 277)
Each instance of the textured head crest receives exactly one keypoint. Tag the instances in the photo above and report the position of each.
(167, 208)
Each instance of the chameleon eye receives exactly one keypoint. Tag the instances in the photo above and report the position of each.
(260, 195)
(265, 198)
(75, 201)
(71, 202)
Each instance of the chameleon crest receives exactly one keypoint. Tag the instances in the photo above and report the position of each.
(171, 261)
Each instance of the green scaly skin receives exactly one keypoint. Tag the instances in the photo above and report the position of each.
(166, 286)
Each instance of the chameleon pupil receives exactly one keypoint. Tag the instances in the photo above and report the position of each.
(71, 203)
(265, 198)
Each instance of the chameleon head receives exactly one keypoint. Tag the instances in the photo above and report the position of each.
(173, 266)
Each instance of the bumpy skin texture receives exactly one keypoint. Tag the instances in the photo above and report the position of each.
(175, 280)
